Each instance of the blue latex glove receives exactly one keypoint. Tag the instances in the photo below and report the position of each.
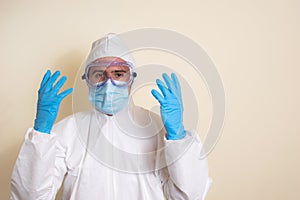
(49, 101)
(171, 107)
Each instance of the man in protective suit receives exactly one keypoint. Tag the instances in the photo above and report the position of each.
(117, 150)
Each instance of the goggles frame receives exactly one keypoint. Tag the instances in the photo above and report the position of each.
(107, 65)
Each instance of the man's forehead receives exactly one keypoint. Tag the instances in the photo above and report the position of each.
(110, 68)
(110, 59)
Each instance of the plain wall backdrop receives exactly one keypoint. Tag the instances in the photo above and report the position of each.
(254, 44)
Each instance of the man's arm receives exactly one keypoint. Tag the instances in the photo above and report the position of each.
(186, 176)
(40, 168)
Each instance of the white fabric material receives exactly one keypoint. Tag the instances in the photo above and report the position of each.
(46, 160)
(110, 45)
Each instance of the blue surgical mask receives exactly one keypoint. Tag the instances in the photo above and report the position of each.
(109, 99)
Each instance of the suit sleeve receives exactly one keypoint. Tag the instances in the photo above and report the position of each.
(186, 175)
(40, 167)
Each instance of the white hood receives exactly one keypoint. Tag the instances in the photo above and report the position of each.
(110, 45)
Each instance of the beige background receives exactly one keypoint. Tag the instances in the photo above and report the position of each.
(255, 45)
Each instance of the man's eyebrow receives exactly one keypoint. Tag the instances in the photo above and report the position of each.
(120, 70)
(97, 70)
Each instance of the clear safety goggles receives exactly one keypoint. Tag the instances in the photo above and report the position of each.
(98, 73)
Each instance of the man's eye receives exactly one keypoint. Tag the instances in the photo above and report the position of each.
(98, 75)
(120, 74)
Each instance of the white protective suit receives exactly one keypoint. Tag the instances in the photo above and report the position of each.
(97, 156)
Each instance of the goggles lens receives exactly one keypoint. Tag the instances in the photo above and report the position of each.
(120, 73)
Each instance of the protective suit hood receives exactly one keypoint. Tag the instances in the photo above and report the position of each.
(110, 45)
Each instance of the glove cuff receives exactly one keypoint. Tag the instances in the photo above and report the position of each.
(180, 134)
(39, 128)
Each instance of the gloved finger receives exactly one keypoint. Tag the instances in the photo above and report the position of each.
(45, 79)
(52, 79)
(59, 84)
(65, 93)
(176, 83)
(162, 87)
(157, 96)
(168, 82)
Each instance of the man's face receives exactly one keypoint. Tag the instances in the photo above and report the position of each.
(116, 72)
